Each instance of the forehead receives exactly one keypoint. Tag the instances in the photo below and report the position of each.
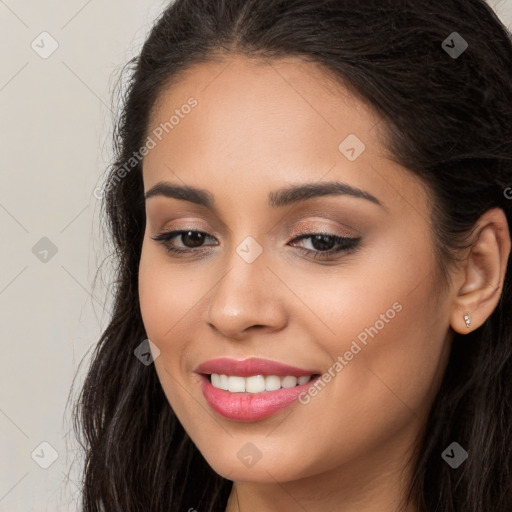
(256, 121)
(269, 98)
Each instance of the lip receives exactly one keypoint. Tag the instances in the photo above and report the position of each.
(250, 407)
(251, 366)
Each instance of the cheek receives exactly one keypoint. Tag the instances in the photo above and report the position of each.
(381, 381)
(388, 335)
(405, 325)
(167, 294)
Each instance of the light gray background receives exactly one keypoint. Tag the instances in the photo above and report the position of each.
(55, 130)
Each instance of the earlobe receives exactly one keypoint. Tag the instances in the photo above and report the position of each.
(483, 273)
(462, 324)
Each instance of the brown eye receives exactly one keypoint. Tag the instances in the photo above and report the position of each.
(191, 239)
(323, 244)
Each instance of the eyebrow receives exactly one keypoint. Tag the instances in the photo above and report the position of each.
(282, 197)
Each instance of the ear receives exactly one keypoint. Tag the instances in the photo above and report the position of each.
(482, 273)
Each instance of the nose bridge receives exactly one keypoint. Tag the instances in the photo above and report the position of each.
(245, 295)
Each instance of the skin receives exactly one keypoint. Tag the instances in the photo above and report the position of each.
(260, 126)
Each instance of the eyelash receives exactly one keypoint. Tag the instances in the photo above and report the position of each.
(347, 244)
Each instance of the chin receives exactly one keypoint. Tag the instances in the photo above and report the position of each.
(263, 470)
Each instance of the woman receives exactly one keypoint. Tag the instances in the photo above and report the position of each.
(310, 206)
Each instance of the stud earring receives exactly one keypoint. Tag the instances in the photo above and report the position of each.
(466, 318)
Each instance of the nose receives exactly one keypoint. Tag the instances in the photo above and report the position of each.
(247, 298)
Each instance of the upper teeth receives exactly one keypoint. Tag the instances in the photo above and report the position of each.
(255, 383)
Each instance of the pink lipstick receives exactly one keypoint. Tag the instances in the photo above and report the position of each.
(252, 389)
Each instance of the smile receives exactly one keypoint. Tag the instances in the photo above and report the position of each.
(252, 389)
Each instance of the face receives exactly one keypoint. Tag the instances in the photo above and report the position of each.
(336, 282)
